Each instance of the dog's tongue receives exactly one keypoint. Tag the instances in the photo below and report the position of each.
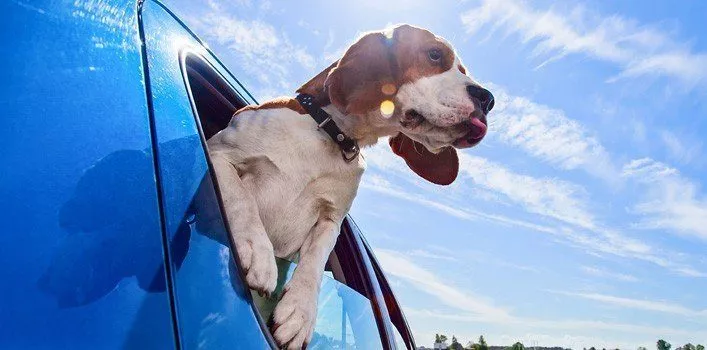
(480, 127)
(474, 136)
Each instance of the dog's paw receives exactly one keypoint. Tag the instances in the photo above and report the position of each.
(258, 261)
(295, 316)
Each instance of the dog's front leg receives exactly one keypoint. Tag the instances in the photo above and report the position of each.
(296, 313)
(253, 247)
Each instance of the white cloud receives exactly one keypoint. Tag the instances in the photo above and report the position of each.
(553, 198)
(597, 272)
(639, 50)
(265, 53)
(548, 134)
(681, 148)
(671, 201)
(638, 304)
(426, 254)
(379, 184)
(426, 281)
(566, 202)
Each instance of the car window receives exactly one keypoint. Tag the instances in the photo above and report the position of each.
(345, 316)
(345, 319)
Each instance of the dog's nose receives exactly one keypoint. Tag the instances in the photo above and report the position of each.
(484, 96)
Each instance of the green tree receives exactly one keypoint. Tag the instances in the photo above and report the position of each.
(455, 344)
(437, 338)
(442, 338)
(592, 348)
(663, 345)
(482, 343)
(688, 346)
(517, 346)
(700, 347)
(641, 348)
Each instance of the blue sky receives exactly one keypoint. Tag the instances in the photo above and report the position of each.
(581, 220)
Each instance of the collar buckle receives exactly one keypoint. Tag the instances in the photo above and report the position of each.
(354, 153)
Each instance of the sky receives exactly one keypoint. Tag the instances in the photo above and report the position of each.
(581, 219)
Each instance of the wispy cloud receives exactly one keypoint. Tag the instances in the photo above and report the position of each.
(597, 272)
(637, 304)
(639, 50)
(547, 197)
(380, 185)
(548, 134)
(578, 325)
(264, 52)
(553, 198)
(426, 281)
(426, 254)
(681, 149)
(671, 201)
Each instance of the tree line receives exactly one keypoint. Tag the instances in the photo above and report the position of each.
(482, 345)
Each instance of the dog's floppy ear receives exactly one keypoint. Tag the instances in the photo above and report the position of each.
(315, 86)
(355, 85)
(441, 168)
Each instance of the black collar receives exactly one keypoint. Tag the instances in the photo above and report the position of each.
(349, 147)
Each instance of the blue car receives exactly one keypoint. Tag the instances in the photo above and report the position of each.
(106, 106)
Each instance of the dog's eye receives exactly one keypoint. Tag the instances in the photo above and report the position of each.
(435, 55)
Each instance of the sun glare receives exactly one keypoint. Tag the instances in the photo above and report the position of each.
(387, 108)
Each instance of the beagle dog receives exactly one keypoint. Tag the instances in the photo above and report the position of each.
(289, 169)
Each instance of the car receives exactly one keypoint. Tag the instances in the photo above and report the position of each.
(106, 107)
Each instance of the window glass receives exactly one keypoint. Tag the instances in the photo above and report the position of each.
(344, 317)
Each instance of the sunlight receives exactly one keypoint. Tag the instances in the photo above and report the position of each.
(387, 108)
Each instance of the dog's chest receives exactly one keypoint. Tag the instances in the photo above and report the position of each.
(295, 173)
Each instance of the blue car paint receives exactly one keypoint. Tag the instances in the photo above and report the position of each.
(213, 306)
(81, 264)
(103, 171)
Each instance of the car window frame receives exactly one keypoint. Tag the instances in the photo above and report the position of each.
(353, 234)
(184, 54)
(405, 333)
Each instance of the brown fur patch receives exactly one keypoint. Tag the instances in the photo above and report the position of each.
(280, 102)
(411, 49)
(354, 83)
(315, 86)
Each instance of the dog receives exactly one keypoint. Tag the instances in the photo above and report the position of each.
(289, 169)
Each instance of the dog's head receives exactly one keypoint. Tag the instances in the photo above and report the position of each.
(417, 84)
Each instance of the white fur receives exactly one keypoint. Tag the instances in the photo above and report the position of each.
(286, 189)
(443, 100)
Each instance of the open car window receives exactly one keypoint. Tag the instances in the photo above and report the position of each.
(345, 318)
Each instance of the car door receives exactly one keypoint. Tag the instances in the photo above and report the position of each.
(81, 261)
